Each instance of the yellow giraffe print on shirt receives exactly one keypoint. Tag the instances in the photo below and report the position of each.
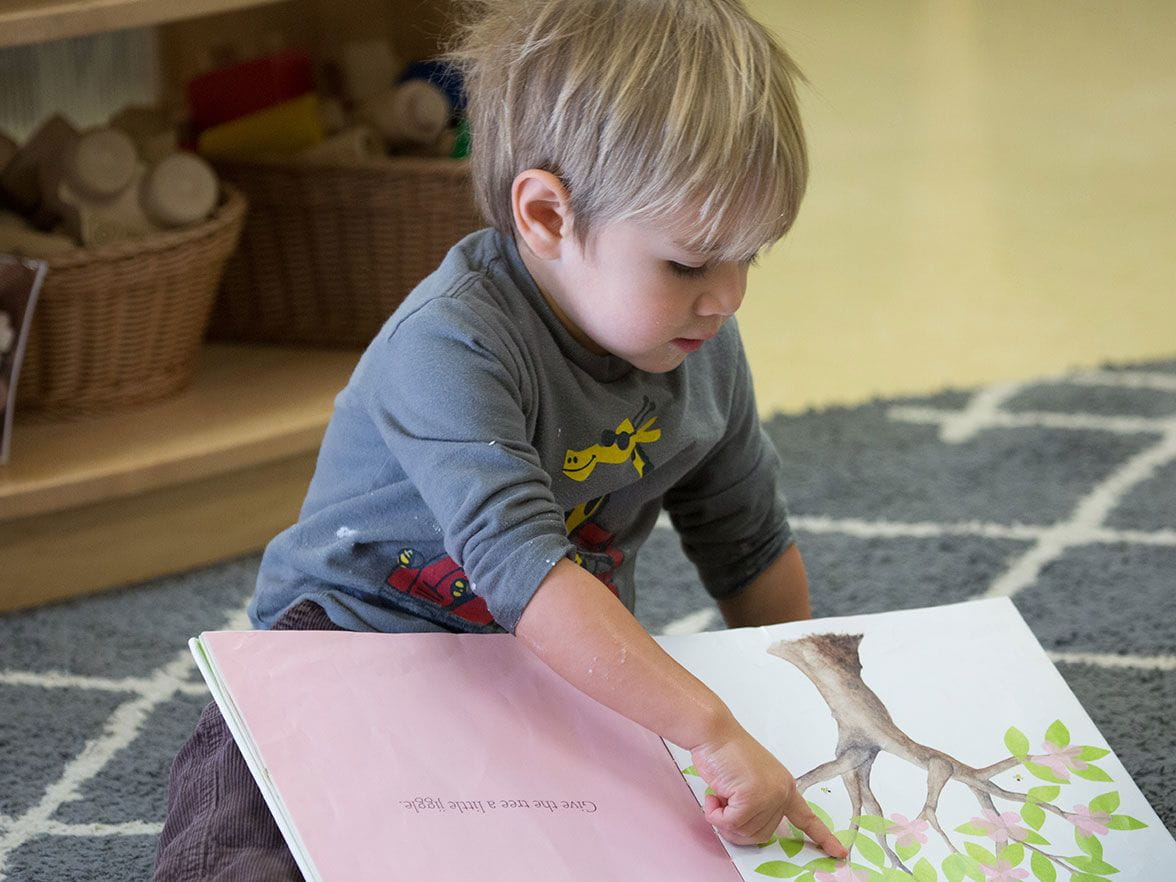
(617, 446)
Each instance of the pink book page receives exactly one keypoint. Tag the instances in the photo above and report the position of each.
(458, 757)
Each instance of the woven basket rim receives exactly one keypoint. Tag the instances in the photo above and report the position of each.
(413, 164)
(231, 207)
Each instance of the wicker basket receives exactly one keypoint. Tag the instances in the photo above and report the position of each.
(328, 252)
(121, 325)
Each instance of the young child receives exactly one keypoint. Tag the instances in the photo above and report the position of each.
(508, 440)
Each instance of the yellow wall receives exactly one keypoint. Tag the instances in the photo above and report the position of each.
(993, 196)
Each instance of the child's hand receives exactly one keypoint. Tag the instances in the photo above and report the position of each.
(754, 793)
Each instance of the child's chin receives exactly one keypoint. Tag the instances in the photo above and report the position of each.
(659, 362)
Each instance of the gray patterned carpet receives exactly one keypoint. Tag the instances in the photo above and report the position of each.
(1060, 493)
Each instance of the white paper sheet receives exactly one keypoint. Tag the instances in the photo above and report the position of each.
(968, 680)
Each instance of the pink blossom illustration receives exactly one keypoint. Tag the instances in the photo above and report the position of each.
(1001, 827)
(843, 873)
(1090, 823)
(1003, 872)
(909, 832)
(1060, 760)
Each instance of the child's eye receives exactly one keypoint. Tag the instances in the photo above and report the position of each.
(686, 270)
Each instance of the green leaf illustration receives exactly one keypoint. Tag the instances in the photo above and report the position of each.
(821, 864)
(1088, 877)
(957, 866)
(1043, 868)
(779, 870)
(891, 874)
(846, 837)
(1045, 773)
(1058, 734)
(924, 872)
(792, 847)
(690, 770)
(972, 868)
(1107, 802)
(980, 853)
(953, 868)
(1125, 822)
(1034, 838)
(1044, 794)
(906, 852)
(1088, 844)
(1093, 865)
(821, 813)
(1093, 773)
(1089, 753)
(970, 829)
(874, 823)
(871, 851)
(1033, 815)
(1014, 853)
(1016, 742)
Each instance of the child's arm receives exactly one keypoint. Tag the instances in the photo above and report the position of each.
(586, 636)
(779, 594)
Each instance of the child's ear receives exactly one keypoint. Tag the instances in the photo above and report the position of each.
(542, 212)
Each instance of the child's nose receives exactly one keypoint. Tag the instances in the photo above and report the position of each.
(724, 294)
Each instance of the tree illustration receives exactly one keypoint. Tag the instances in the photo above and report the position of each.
(1004, 841)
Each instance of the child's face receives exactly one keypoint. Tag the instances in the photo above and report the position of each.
(637, 294)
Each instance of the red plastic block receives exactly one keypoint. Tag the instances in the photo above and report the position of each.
(232, 92)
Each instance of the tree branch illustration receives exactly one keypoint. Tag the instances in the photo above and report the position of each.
(865, 729)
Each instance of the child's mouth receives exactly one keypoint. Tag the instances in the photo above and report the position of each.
(690, 344)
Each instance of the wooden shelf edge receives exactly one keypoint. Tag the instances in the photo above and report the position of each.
(37, 21)
(221, 424)
(120, 542)
(50, 496)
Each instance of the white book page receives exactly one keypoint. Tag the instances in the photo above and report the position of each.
(958, 746)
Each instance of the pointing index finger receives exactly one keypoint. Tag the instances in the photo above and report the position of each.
(799, 813)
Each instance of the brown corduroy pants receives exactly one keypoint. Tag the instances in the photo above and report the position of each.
(218, 827)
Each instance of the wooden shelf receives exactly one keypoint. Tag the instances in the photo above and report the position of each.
(248, 405)
(218, 470)
(36, 21)
(209, 474)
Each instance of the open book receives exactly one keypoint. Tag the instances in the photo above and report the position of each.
(941, 744)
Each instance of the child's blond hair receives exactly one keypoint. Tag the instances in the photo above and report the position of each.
(674, 111)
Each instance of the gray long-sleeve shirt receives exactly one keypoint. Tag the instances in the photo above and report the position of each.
(477, 443)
